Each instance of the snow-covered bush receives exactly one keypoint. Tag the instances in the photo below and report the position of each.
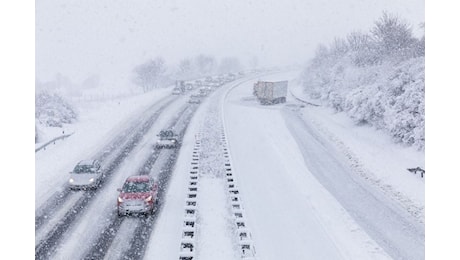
(382, 88)
(53, 110)
(405, 114)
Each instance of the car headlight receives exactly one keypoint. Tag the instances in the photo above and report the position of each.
(120, 200)
(71, 180)
(173, 141)
(91, 180)
(148, 199)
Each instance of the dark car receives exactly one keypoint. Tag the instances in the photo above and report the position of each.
(138, 195)
(167, 139)
(86, 174)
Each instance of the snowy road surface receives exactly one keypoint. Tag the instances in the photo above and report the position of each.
(293, 215)
(297, 195)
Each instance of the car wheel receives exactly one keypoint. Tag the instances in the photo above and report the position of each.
(120, 214)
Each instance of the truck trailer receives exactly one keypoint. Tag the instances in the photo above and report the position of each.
(269, 93)
(179, 88)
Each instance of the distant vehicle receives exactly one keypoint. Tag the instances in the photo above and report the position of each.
(231, 77)
(270, 92)
(138, 195)
(194, 99)
(215, 85)
(86, 174)
(204, 91)
(179, 88)
(167, 139)
(220, 79)
(198, 83)
(189, 86)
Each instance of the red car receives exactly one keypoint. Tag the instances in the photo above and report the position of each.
(138, 195)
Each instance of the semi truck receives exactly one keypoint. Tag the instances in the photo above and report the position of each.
(269, 93)
(179, 88)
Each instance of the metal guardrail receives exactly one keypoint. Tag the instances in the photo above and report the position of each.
(303, 101)
(417, 170)
(52, 141)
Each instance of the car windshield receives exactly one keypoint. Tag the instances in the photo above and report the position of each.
(131, 187)
(166, 135)
(83, 169)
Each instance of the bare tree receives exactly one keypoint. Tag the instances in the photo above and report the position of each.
(205, 64)
(357, 40)
(392, 35)
(229, 64)
(364, 49)
(421, 42)
(321, 55)
(149, 74)
(185, 66)
(339, 47)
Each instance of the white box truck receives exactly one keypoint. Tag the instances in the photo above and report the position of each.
(270, 92)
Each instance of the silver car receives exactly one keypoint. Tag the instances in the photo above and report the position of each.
(194, 99)
(86, 174)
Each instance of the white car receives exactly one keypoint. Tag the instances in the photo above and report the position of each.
(86, 174)
(176, 91)
(195, 99)
(167, 139)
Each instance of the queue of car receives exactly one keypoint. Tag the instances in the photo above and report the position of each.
(139, 193)
(182, 86)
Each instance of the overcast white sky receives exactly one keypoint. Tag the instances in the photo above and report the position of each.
(109, 37)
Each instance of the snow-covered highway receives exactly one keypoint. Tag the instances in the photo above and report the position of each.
(298, 196)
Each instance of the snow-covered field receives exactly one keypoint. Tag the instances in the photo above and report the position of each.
(289, 211)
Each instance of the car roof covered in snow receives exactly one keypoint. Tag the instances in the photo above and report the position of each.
(139, 178)
(86, 162)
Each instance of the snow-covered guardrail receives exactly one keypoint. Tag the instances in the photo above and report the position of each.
(246, 245)
(301, 100)
(187, 245)
(52, 142)
(417, 170)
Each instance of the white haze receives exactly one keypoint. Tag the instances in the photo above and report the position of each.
(109, 37)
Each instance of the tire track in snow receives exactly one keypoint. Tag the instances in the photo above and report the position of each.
(46, 247)
(45, 212)
(144, 227)
(416, 211)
